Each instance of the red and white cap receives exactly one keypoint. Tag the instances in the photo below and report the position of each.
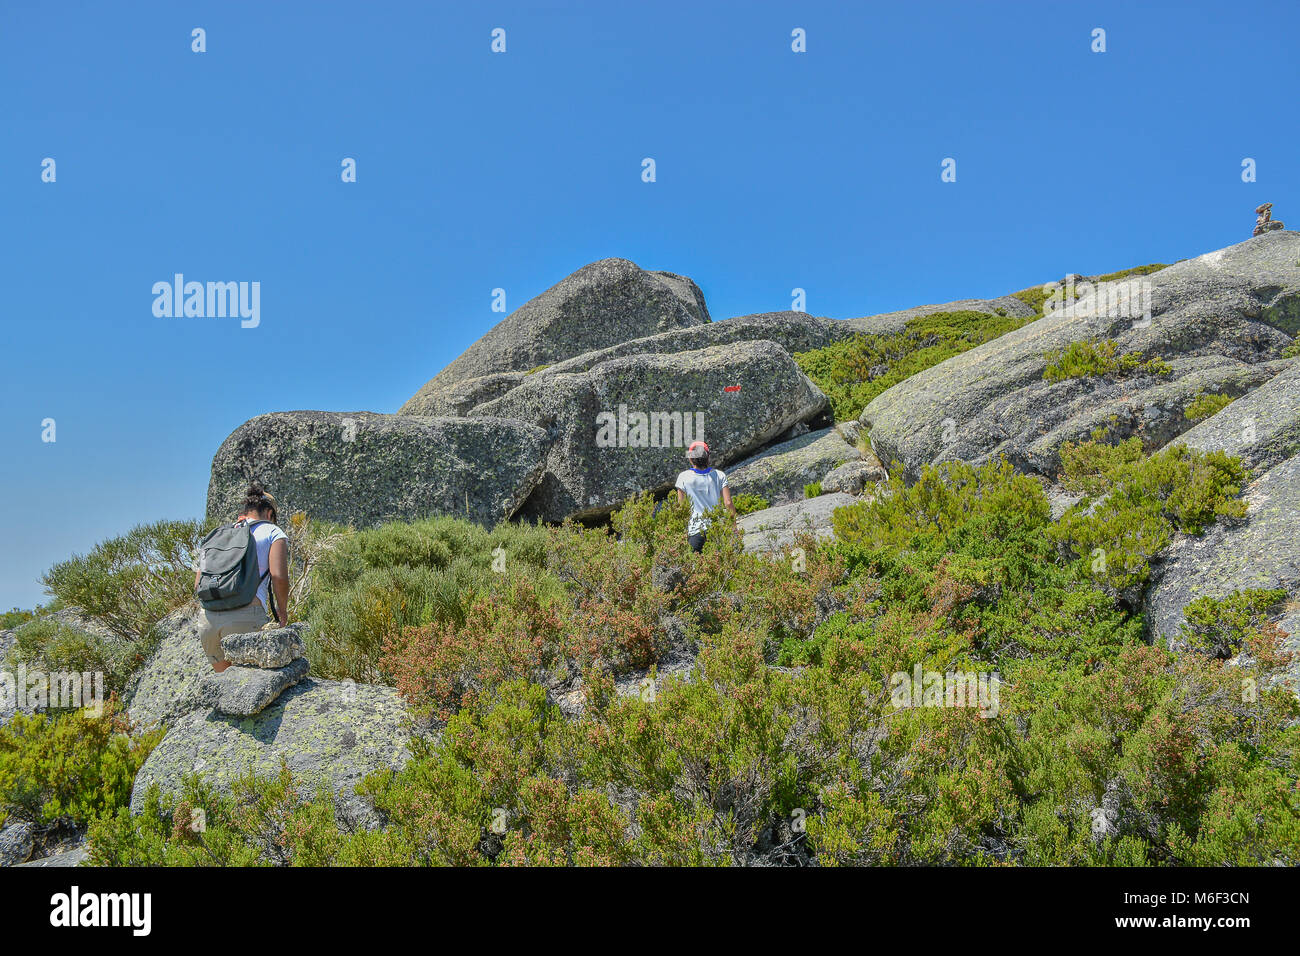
(697, 450)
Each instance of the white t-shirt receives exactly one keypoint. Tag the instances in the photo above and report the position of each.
(704, 491)
(264, 533)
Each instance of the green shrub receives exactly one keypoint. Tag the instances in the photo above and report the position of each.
(70, 768)
(812, 490)
(1133, 272)
(1203, 406)
(11, 619)
(746, 504)
(131, 582)
(1086, 359)
(1221, 627)
(1133, 505)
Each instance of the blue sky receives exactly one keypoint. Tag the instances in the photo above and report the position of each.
(477, 170)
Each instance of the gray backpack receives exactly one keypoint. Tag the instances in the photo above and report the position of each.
(228, 575)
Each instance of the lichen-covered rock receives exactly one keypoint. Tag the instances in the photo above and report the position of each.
(780, 472)
(275, 647)
(363, 469)
(17, 838)
(245, 691)
(852, 476)
(1241, 304)
(775, 529)
(1262, 427)
(326, 732)
(621, 427)
(455, 399)
(170, 683)
(601, 304)
(793, 331)
(1263, 551)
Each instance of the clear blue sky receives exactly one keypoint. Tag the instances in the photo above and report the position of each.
(479, 170)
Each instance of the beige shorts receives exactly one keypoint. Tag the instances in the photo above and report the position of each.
(214, 625)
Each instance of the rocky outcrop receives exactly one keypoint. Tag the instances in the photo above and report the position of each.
(1263, 551)
(170, 683)
(622, 426)
(326, 732)
(1262, 428)
(602, 304)
(455, 399)
(780, 473)
(1237, 305)
(775, 529)
(793, 331)
(363, 469)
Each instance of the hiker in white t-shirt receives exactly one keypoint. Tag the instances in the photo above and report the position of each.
(705, 487)
(272, 544)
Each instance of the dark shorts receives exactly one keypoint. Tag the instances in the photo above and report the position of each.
(696, 542)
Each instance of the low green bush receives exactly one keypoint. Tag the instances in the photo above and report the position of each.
(70, 768)
(747, 504)
(1087, 359)
(1203, 406)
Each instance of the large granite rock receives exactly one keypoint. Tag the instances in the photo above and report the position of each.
(245, 691)
(775, 529)
(1263, 551)
(455, 399)
(780, 473)
(744, 394)
(274, 647)
(170, 683)
(363, 469)
(1241, 304)
(326, 732)
(1262, 428)
(601, 304)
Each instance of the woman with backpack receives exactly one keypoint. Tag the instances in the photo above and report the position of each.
(226, 559)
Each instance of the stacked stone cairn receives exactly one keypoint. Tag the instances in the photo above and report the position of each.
(264, 664)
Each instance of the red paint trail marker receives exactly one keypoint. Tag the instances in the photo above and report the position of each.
(732, 388)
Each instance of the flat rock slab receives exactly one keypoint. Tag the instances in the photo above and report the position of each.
(1263, 551)
(774, 529)
(269, 649)
(245, 691)
(1262, 427)
(780, 473)
(363, 469)
(74, 857)
(327, 732)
